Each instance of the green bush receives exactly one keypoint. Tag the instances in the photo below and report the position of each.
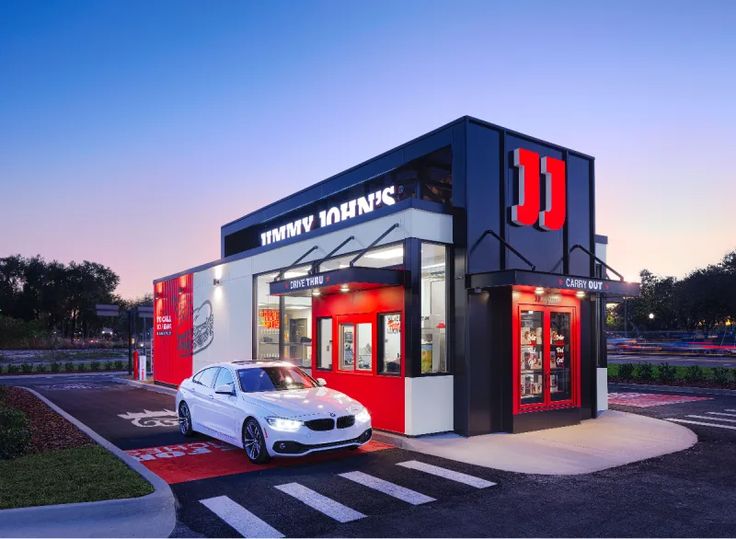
(645, 372)
(109, 365)
(626, 371)
(118, 365)
(68, 366)
(27, 368)
(666, 373)
(720, 375)
(40, 367)
(81, 367)
(694, 373)
(94, 366)
(13, 369)
(55, 367)
(15, 436)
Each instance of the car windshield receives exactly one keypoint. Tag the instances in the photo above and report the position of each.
(274, 379)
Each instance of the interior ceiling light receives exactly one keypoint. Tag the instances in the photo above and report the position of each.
(316, 292)
(294, 273)
(344, 288)
(384, 254)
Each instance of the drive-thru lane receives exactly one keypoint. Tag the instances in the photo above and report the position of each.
(393, 492)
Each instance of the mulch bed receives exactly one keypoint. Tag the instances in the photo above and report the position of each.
(49, 431)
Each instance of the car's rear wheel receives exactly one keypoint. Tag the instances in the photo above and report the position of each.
(185, 420)
(254, 443)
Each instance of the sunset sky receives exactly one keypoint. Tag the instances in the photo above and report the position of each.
(131, 130)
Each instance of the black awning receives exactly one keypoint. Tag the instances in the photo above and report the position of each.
(552, 280)
(327, 282)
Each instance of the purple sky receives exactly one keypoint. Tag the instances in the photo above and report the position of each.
(131, 130)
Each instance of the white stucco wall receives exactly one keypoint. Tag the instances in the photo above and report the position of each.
(428, 404)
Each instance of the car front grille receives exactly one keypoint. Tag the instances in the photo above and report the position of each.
(320, 424)
(345, 421)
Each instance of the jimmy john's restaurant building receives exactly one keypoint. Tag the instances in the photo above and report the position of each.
(454, 283)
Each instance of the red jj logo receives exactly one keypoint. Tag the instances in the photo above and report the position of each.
(528, 211)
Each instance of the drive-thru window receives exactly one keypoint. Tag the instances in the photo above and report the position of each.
(454, 283)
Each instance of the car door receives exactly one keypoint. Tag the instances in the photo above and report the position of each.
(204, 394)
(225, 411)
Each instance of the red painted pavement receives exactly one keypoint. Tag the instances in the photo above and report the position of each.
(202, 460)
(647, 400)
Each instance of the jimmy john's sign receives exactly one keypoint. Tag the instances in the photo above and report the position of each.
(332, 215)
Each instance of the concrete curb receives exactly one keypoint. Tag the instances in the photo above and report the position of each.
(149, 387)
(153, 515)
(5, 377)
(676, 389)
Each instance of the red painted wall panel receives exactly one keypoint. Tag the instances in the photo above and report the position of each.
(172, 329)
(382, 394)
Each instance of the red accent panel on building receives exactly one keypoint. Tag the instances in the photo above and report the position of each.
(382, 394)
(172, 329)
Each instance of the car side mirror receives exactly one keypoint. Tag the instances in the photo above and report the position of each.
(321, 382)
(225, 389)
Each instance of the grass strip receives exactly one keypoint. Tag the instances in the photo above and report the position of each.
(80, 474)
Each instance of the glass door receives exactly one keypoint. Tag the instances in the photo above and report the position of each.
(545, 357)
(356, 352)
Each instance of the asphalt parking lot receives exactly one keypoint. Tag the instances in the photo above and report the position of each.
(384, 491)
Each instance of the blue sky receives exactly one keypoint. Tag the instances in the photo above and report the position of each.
(131, 130)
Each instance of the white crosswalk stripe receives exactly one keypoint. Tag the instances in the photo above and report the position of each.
(239, 518)
(689, 422)
(721, 413)
(392, 489)
(729, 410)
(452, 475)
(711, 418)
(323, 504)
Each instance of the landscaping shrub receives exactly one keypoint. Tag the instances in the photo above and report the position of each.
(626, 371)
(645, 372)
(81, 367)
(720, 375)
(26, 368)
(693, 373)
(94, 366)
(68, 366)
(13, 369)
(666, 373)
(118, 365)
(55, 367)
(40, 367)
(15, 436)
(109, 365)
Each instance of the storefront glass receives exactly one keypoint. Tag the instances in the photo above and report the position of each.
(268, 319)
(559, 365)
(532, 351)
(434, 309)
(389, 358)
(324, 361)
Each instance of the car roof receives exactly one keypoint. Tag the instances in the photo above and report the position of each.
(251, 364)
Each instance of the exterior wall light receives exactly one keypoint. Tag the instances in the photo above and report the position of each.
(539, 291)
(580, 294)
(216, 282)
(344, 288)
(316, 292)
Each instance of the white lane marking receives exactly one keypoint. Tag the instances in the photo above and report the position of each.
(730, 410)
(473, 481)
(710, 418)
(730, 427)
(721, 413)
(323, 504)
(239, 518)
(392, 489)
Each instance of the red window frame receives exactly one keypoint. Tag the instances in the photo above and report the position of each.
(569, 304)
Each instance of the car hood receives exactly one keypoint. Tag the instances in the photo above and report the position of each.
(305, 403)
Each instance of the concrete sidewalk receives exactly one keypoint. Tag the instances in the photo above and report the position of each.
(613, 439)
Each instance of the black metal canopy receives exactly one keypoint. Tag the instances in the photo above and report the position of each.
(328, 282)
(552, 280)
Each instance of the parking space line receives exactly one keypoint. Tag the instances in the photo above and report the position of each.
(713, 418)
(239, 518)
(730, 410)
(721, 413)
(392, 489)
(323, 504)
(730, 427)
(452, 475)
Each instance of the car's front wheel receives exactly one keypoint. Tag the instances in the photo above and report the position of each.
(185, 420)
(254, 443)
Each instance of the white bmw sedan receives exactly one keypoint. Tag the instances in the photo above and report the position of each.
(270, 409)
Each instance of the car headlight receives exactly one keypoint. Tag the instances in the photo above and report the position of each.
(283, 424)
(363, 416)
